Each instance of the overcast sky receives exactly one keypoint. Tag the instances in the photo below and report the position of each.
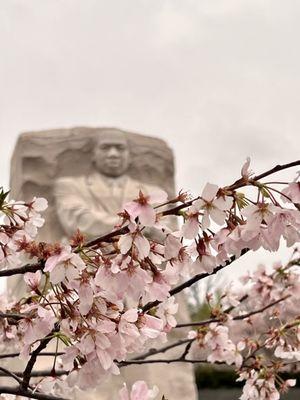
(217, 79)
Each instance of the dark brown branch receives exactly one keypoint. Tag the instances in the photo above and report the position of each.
(249, 314)
(186, 351)
(277, 168)
(193, 280)
(166, 361)
(107, 238)
(27, 371)
(151, 352)
(177, 209)
(236, 318)
(242, 182)
(22, 270)
(12, 316)
(28, 393)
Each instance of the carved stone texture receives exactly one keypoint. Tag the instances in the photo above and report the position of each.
(40, 158)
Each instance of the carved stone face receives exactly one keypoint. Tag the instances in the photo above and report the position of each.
(111, 155)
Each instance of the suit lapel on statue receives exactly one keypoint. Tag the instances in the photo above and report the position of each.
(100, 193)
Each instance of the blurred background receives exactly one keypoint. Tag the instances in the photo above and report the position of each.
(219, 80)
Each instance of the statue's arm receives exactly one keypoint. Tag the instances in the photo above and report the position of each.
(74, 212)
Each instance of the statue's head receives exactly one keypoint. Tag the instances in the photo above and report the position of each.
(111, 153)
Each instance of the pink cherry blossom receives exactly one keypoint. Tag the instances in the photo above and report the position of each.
(63, 265)
(39, 204)
(214, 208)
(292, 191)
(257, 213)
(246, 172)
(33, 279)
(140, 242)
(191, 225)
(165, 311)
(141, 207)
(139, 391)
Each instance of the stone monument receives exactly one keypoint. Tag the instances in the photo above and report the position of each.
(87, 174)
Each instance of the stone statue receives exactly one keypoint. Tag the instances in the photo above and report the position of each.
(91, 202)
(87, 174)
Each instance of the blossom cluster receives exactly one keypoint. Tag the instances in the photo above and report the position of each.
(106, 299)
(266, 342)
(20, 225)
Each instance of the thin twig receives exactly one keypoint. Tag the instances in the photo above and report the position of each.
(193, 280)
(186, 351)
(249, 314)
(163, 360)
(277, 168)
(6, 372)
(236, 318)
(151, 352)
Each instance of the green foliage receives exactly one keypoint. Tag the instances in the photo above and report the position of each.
(3, 196)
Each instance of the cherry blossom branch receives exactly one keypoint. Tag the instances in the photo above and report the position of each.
(22, 270)
(236, 318)
(241, 182)
(27, 371)
(151, 352)
(175, 210)
(277, 168)
(28, 393)
(78, 290)
(107, 237)
(165, 361)
(193, 280)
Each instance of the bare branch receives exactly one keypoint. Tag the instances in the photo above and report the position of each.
(186, 351)
(151, 352)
